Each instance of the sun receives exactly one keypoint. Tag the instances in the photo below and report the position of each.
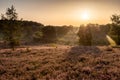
(85, 15)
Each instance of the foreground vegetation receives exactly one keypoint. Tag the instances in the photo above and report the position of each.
(56, 62)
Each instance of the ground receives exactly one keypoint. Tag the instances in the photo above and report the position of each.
(57, 62)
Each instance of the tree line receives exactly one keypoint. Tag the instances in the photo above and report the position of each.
(14, 31)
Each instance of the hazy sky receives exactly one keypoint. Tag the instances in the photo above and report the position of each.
(64, 12)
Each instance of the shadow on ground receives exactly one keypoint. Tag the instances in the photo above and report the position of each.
(78, 52)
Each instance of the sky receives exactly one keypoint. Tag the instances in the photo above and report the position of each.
(64, 12)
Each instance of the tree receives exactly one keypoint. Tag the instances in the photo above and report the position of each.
(11, 27)
(85, 35)
(63, 30)
(11, 13)
(49, 34)
(115, 28)
(37, 36)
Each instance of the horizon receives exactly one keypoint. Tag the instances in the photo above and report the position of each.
(60, 12)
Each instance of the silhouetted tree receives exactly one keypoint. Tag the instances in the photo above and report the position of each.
(49, 34)
(85, 35)
(115, 28)
(11, 27)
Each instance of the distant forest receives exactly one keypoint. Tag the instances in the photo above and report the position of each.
(14, 32)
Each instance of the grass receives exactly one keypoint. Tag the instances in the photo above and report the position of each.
(61, 63)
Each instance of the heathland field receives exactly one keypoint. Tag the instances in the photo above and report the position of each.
(57, 62)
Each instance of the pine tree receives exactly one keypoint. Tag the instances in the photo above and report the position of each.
(11, 27)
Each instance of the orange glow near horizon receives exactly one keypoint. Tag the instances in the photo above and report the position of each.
(64, 12)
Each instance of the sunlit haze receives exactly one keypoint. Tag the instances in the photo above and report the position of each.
(64, 12)
(85, 15)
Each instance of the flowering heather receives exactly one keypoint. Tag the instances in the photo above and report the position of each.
(60, 63)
